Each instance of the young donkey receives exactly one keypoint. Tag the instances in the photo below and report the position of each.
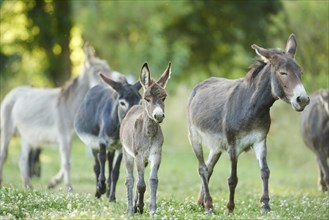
(234, 115)
(142, 138)
(97, 123)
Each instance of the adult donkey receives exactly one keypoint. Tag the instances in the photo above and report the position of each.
(97, 123)
(43, 116)
(142, 139)
(233, 115)
(315, 132)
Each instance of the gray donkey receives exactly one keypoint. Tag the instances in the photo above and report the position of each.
(142, 138)
(97, 123)
(234, 115)
(314, 126)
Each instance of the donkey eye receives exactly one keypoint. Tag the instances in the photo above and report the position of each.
(163, 99)
(122, 103)
(147, 99)
(283, 73)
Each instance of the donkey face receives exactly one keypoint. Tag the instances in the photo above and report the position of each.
(128, 94)
(154, 93)
(286, 74)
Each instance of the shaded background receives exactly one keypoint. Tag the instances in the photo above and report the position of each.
(42, 40)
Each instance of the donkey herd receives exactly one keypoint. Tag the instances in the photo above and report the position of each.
(115, 121)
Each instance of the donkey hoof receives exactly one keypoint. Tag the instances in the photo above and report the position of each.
(140, 210)
(29, 187)
(152, 212)
(98, 195)
(69, 188)
(51, 186)
(209, 211)
(101, 189)
(200, 203)
(229, 212)
(265, 208)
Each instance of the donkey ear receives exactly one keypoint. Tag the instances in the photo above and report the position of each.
(165, 76)
(291, 46)
(115, 85)
(145, 76)
(138, 85)
(264, 54)
(90, 54)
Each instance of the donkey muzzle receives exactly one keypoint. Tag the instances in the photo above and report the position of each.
(300, 99)
(158, 115)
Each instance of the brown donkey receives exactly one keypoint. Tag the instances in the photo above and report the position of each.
(142, 139)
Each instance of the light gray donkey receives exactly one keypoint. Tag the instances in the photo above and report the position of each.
(43, 116)
(234, 115)
(142, 139)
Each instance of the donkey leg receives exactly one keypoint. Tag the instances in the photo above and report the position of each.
(154, 166)
(101, 186)
(141, 186)
(110, 158)
(23, 164)
(115, 173)
(129, 162)
(233, 179)
(205, 200)
(260, 152)
(322, 183)
(34, 162)
(213, 157)
(7, 131)
(324, 170)
(96, 170)
(64, 172)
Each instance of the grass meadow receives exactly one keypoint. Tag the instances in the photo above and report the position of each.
(293, 184)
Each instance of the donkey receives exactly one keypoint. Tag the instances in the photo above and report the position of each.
(315, 131)
(43, 116)
(97, 124)
(234, 115)
(142, 139)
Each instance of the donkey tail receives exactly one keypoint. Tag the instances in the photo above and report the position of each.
(7, 127)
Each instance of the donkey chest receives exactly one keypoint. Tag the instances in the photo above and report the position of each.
(148, 147)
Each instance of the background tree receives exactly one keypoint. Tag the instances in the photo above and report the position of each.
(40, 38)
(53, 20)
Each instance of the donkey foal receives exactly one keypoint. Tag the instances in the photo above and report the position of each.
(142, 139)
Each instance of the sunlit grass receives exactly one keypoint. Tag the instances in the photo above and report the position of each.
(293, 186)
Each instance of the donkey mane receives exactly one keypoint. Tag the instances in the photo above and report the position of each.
(254, 69)
(259, 64)
(67, 87)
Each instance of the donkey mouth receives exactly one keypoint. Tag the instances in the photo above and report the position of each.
(297, 107)
(159, 121)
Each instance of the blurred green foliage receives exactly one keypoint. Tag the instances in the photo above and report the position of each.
(41, 40)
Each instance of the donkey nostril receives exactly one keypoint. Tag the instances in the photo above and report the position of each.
(159, 116)
(298, 99)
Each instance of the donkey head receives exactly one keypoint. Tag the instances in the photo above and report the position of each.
(154, 93)
(128, 94)
(93, 66)
(285, 74)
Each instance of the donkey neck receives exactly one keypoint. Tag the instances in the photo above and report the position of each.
(260, 88)
(150, 127)
(72, 95)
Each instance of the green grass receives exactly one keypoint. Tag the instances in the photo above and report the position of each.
(293, 183)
